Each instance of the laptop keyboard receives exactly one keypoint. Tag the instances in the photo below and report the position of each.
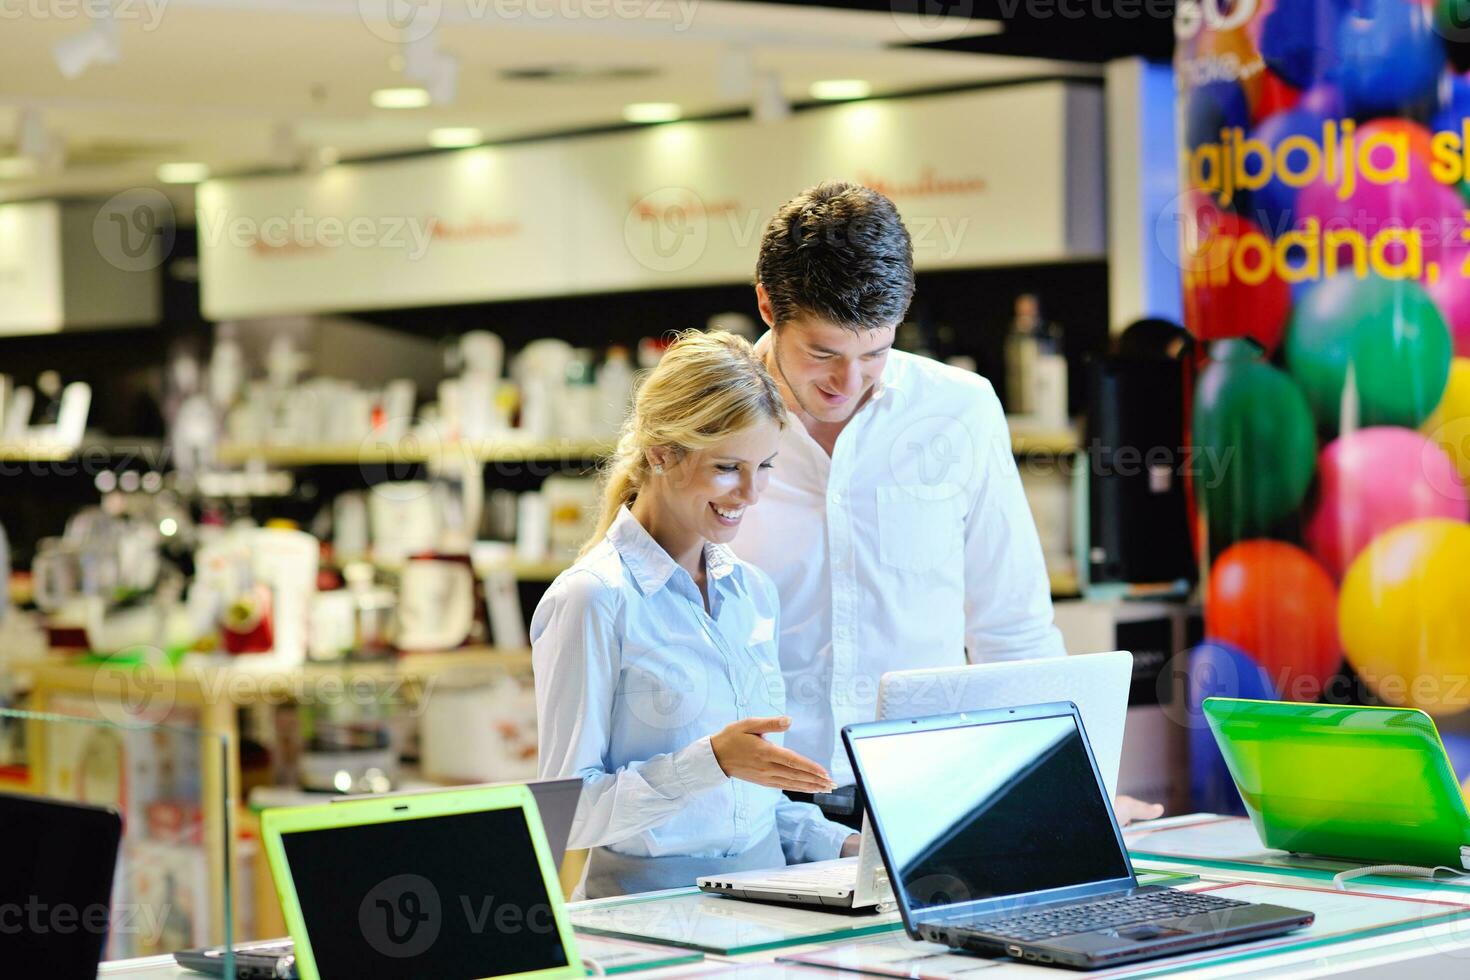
(1110, 914)
(838, 877)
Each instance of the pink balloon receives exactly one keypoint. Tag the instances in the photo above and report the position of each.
(1451, 294)
(1420, 202)
(1373, 480)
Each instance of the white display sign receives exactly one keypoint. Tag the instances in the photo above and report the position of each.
(981, 178)
(30, 268)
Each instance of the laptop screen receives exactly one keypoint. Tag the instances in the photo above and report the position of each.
(456, 896)
(985, 811)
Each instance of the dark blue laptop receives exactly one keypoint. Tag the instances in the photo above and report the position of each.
(999, 838)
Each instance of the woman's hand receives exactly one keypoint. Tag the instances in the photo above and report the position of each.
(851, 845)
(742, 751)
(1129, 809)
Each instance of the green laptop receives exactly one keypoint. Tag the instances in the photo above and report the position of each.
(1372, 785)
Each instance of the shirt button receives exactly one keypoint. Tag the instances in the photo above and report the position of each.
(836, 498)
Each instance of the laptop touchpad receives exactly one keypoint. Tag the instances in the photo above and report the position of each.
(1145, 933)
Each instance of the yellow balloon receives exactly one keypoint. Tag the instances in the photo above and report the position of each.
(1404, 615)
(1449, 425)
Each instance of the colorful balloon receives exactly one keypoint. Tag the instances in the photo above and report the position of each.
(1414, 202)
(1451, 295)
(1252, 432)
(1449, 426)
(1454, 100)
(1372, 480)
(1270, 205)
(1213, 107)
(1218, 670)
(1221, 252)
(1276, 96)
(1298, 40)
(1404, 614)
(1387, 334)
(1271, 600)
(1389, 57)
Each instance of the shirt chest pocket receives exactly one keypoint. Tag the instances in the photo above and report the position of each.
(919, 527)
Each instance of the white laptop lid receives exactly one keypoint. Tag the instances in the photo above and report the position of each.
(1096, 682)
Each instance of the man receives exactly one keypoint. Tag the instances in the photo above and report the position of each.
(894, 525)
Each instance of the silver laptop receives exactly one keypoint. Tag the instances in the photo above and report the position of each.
(1096, 682)
(557, 800)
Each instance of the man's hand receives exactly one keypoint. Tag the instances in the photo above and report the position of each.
(743, 753)
(850, 846)
(1129, 809)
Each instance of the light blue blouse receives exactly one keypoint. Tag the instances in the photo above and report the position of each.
(632, 679)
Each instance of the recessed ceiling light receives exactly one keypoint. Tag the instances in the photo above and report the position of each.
(651, 112)
(838, 89)
(401, 98)
(13, 167)
(449, 137)
(183, 173)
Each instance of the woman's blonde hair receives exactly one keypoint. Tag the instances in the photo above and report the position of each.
(707, 387)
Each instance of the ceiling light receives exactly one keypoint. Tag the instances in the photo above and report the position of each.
(96, 44)
(838, 89)
(401, 98)
(449, 137)
(183, 173)
(12, 168)
(650, 112)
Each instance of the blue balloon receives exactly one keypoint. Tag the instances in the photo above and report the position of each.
(1269, 206)
(1389, 57)
(1325, 99)
(1218, 670)
(1454, 105)
(1212, 107)
(1299, 40)
(1457, 746)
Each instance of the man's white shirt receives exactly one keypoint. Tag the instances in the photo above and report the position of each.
(910, 546)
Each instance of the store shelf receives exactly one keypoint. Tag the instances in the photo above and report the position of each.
(1044, 443)
(41, 451)
(370, 452)
(201, 679)
(1065, 584)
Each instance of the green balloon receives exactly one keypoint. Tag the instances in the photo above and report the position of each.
(1255, 446)
(1389, 332)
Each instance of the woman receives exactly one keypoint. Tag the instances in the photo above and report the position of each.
(657, 680)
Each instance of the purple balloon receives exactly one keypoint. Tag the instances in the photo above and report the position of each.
(1218, 669)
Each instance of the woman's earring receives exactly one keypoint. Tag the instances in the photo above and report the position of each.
(658, 467)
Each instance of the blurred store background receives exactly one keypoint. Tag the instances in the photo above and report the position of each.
(316, 319)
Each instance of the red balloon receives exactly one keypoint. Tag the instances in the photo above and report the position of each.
(1226, 293)
(1276, 96)
(1273, 601)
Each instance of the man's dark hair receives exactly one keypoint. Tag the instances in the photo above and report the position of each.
(840, 252)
